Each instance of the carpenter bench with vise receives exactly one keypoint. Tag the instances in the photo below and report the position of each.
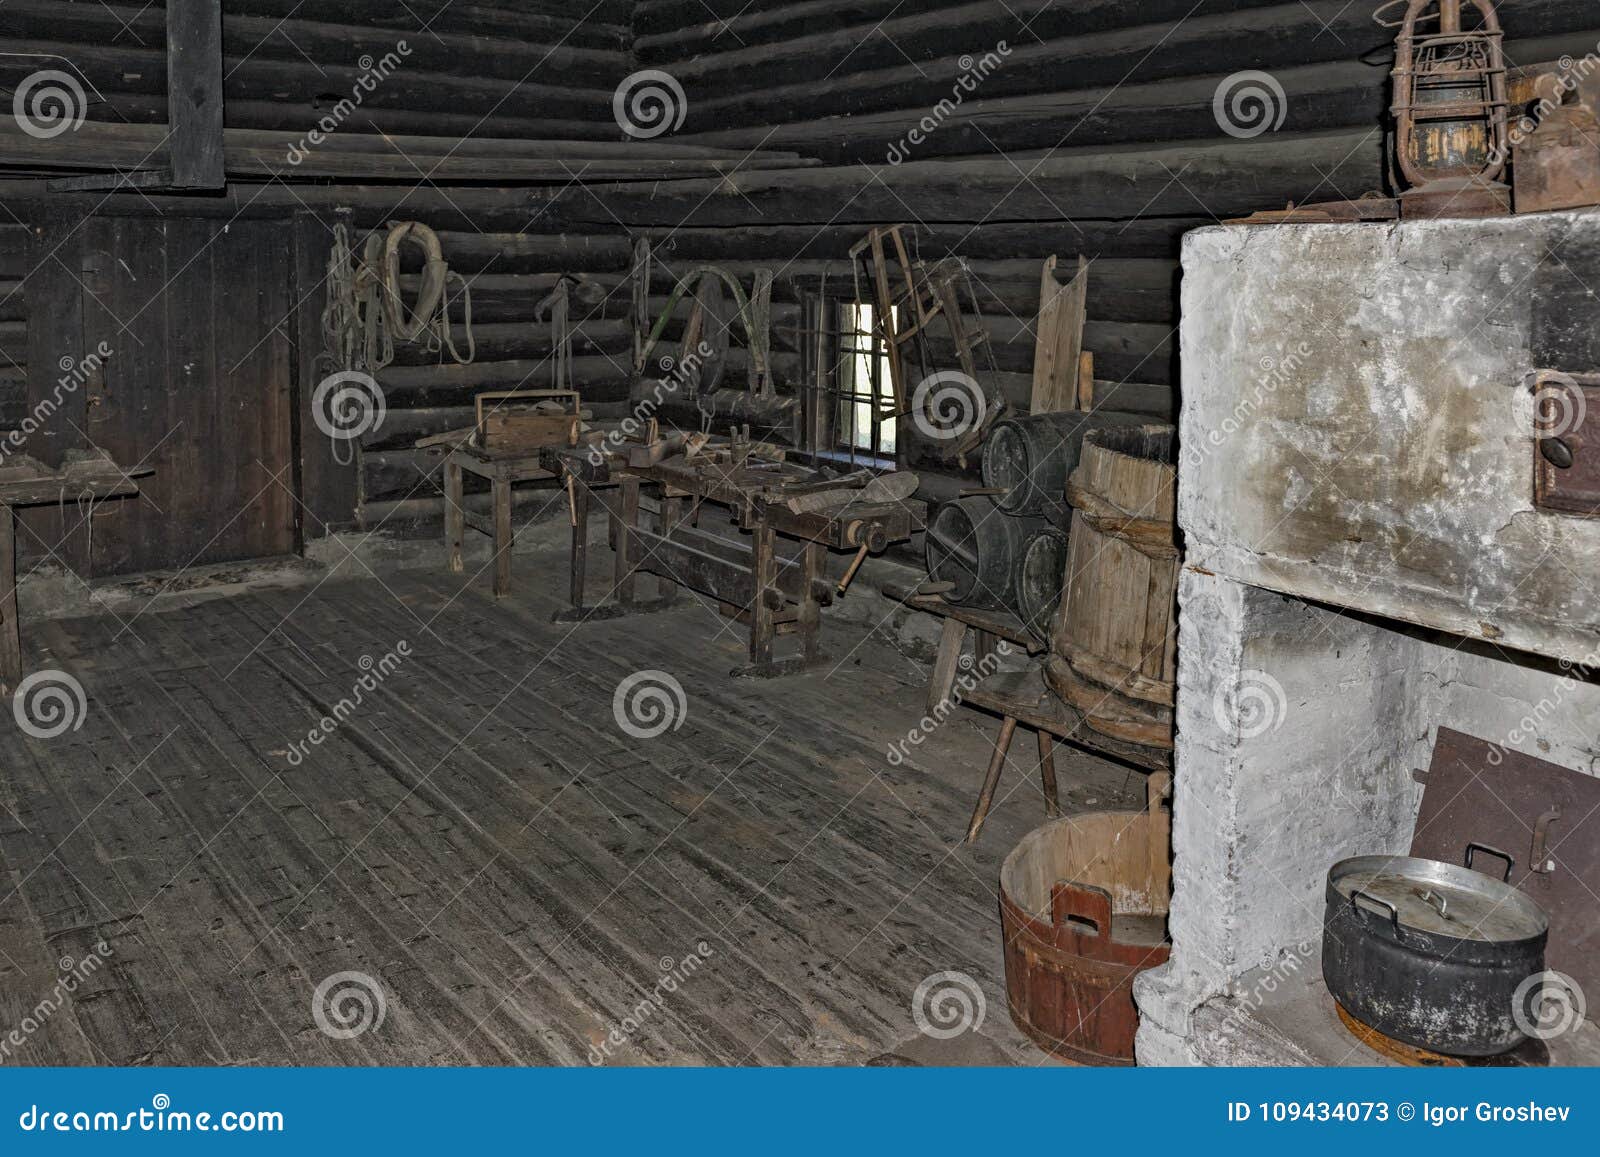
(769, 498)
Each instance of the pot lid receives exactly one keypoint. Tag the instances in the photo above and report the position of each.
(1440, 899)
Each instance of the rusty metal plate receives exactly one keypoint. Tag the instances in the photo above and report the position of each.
(1543, 815)
(1566, 447)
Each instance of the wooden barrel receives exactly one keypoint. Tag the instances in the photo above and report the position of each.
(1038, 579)
(977, 546)
(1030, 458)
(1114, 639)
(1083, 906)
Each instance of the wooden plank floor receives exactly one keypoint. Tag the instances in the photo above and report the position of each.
(513, 876)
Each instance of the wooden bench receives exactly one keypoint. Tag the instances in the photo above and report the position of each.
(24, 481)
(1016, 696)
(958, 620)
(1022, 697)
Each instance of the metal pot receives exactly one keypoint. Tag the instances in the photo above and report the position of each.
(1431, 954)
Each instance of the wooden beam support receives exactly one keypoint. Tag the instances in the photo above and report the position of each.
(10, 637)
(194, 93)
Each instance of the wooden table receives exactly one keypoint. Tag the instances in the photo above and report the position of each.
(773, 592)
(25, 481)
(502, 470)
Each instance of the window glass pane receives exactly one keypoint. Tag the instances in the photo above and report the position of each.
(865, 387)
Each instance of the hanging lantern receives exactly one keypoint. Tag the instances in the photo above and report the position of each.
(1450, 109)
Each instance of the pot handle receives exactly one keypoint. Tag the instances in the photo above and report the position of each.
(1394, 913)
(1081, 904)
(1497, 853)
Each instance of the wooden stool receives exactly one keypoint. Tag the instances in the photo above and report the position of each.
(501, 470)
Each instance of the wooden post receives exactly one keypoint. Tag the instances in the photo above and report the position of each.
(625, 519)
(810, 621)
(671, 515)
(10, 635)
(194, 93)
(503, 537)
(454, 522)
(951, 636)
(580, 542)
(883, 318)
(764, 566)
(1059, 340)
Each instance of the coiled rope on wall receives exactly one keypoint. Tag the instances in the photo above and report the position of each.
(366, 312)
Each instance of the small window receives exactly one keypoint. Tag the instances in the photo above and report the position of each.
(866, 391)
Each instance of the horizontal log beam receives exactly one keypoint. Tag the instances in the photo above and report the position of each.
(600, 25)
(1145, 237)
(142, 70)
(1318, 97)
(678, 29)
(101, 146)
(1271, 39)
(302, 35)
(1219, 180)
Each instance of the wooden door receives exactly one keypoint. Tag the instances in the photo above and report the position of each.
(198, 386)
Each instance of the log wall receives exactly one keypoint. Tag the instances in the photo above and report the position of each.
(1014, 130)
(532, 68)
(1094, 132)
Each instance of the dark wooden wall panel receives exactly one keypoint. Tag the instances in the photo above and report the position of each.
(14, 248)
(198, 388)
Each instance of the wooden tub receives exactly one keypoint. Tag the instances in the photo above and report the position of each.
(1083, 907)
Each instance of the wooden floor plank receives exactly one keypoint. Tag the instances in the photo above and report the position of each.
(482, 837)
(587, 811)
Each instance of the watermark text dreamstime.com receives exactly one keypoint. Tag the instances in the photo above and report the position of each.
(74, 373)
(677, 373)
(1571, 72)
(1276, 372)
(672, 974)
(974, 71)
(1576, 673)
(375, 671)
(74, 973)
(970, 675)
(1285, 968)
(159, 1117)
(373, 73)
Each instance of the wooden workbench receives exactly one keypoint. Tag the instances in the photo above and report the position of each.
(775, 593)
(25, 481)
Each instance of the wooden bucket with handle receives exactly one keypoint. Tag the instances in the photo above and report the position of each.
(1083, 906)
